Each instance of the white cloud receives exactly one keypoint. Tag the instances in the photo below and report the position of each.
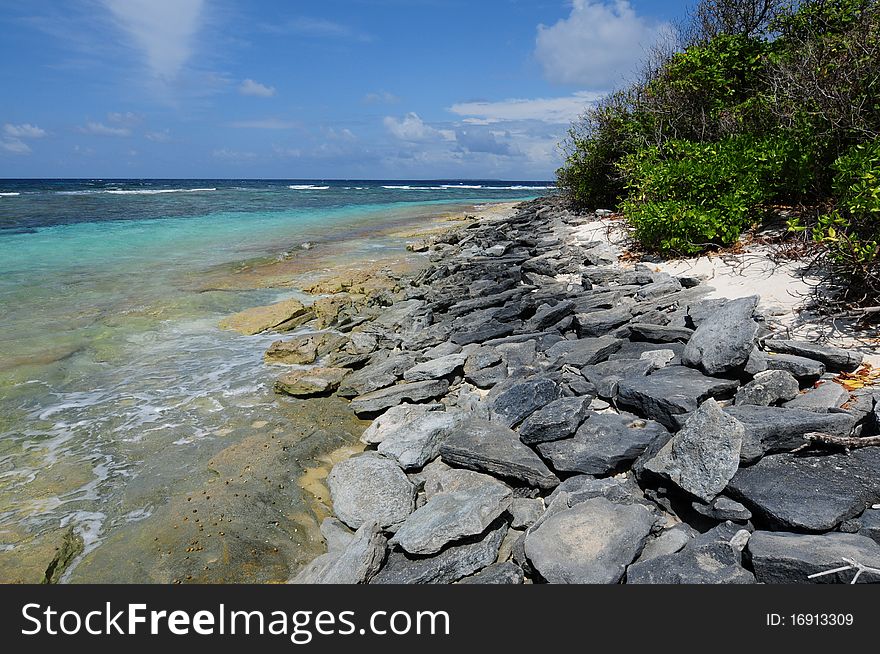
(265, 123)
(24, 131)
(164, 30)
(159, 136)
(413, 129)
(382, 97)
(251, 87)
(319, 28)
(100, 129)
(547, 110)
(225, 154)
(597, 45)
(15, 146)
(128, 118)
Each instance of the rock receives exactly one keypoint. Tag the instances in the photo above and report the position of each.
(310, 382)
(396, 420)
(450, 565)
(487, 377)
(668, 541)
(548, 315)
(289, 314)
(557, 420)
(835, 359)
(756, 363)
(606, 376)
(419, 441)
(822, 398)
(370, 488)
(584, 351)
(357, 563)
(492, 448)
(635, 350)
(711, 558)
(658, 289)
(336, 534)
(518, 356)
(723, 509)
(618, 490)
(809, 493)
(376, 376)
(869, 524)
(672, 391)
(436, 368)
(725, 339)
(774, 429)
(442, 350)
(786, 558)
(518, 402)
(440, 478)
(658, 358)
(703, 457)
(393, 395)
(590, 543)
(768, 388)
(600, 323)
(606, 442)
(304, 349)
(659, 333)
(805, 370)
(449, 517)
(525, 512)
(497, 575)
(483, 332)
(699, 312)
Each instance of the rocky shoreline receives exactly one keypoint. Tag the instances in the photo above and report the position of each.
(543, 412)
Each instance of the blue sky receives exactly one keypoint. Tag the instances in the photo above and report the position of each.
(403, 89)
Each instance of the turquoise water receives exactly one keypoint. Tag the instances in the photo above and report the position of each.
(114, 378)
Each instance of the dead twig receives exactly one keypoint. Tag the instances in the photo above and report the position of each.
(846, 442)
(852, 565)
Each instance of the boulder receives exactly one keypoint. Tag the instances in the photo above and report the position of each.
(370, 488)
(768, 388)
(289, 314)
(304, 349)
(377, 375)
(589, 543)
(788, 558)
(788, 492)
(804, 370)
(356, 563)
(386, 398)
(584, 351)
(723, 509)
(449, 517)
(669, 541)
(659, 333)
(548, 315)
(435, 368)
(440, 478)
(619, 490)
(670, 392)
(492, 448)
(396, 420)
(600, 323)
(606, 442)
(419, 441)
(336, 535)
(824, 397)
(834, 358)
(310, 382)
(724, 340)
(516, 403)
(557, 420)
(606, 376)
(703, 457)
(524, 512)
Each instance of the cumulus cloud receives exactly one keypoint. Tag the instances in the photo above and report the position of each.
(100, 129)
(163, 30)
(251, 87)
(23, 131)
(413, 129)
(15, 146)
(547, 110)
(597, 45)
(159, 136)
(481, 140)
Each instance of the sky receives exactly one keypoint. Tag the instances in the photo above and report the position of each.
(329, 89)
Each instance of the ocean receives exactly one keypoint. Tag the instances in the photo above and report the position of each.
(115, 381)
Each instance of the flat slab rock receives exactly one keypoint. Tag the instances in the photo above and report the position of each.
(356, 563)
(787, 558)
(310, 382)
(589, 543)
(606, 442)
(516, 403)
(493, 448)
(584, 351)
(834, 358)
(557, 420)
(671, 392)
(809, 493)
(435, 368)
(386, 398)
(419, 441)
(499, 574)
(370, 488)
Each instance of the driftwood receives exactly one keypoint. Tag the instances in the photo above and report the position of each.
(846, 442)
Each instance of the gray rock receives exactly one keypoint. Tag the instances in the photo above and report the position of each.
(517, 356)
(386, 398)
(480, 358)
(606, 376)
(357, 563)
(440, 478)
(436, 368)
(658, 358)
(768, 388)
(522, 399)
(548, 315)
(723, 509)
(584, 351)
(375, 376)
(449, 517)
(668, 541)
(658, 289)
(775, 429)
(336, 534)
(834, 358)
(492, 448)
(659, 333)
(310, 382)
(524, 512)
(600, 323)
(396, 420)
(809, 493)
(725, 339)
(497, 574)
(605, 442)
(804, 370)
(670, 392)
(483, 332)
(419, 442)
(703, 457)
(487, 377)
(869, 524)
(827, 395)
(450, 565)
(699, 312)
(584, 487)
(557, 420)
(711, 558)
(635, 350)
(757, 362)
(590, 543)
(786, 558)
(442, 350)
(369, 488)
